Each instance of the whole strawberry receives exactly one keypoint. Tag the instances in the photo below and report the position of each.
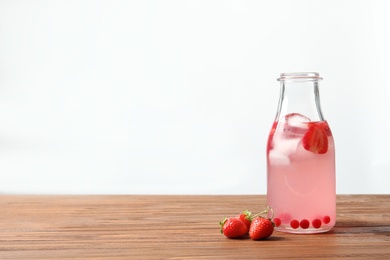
(233, 227)
(261, 228)
(246, 217)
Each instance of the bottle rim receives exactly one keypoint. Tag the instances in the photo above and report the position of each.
(299, 76)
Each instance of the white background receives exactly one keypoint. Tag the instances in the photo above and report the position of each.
(178, 97)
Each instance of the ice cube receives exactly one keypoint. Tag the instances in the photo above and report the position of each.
(296, 119)
(295, 125)
(278, 158)
(287, 146)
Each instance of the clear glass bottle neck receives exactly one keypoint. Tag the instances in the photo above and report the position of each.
(299, 96)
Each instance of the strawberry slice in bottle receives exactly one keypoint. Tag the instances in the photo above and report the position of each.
(316, 140)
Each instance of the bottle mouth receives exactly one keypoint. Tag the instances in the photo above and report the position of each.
(300, 76)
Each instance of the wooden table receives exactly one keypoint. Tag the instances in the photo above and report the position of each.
(178, 227)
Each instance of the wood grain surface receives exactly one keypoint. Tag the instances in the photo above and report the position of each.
(178, 227)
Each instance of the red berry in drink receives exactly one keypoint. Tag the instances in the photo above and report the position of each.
(326, 219)
(294, 224)
(316, 223)
(304, 223)
(271, 134)
(285, 218)
(277, 222)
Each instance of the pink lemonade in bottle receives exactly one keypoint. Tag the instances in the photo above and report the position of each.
(301, 160)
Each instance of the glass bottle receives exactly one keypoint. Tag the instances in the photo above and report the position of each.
(301, 187)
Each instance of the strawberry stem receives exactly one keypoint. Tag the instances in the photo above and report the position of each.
(268, 209)
(272, 213)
